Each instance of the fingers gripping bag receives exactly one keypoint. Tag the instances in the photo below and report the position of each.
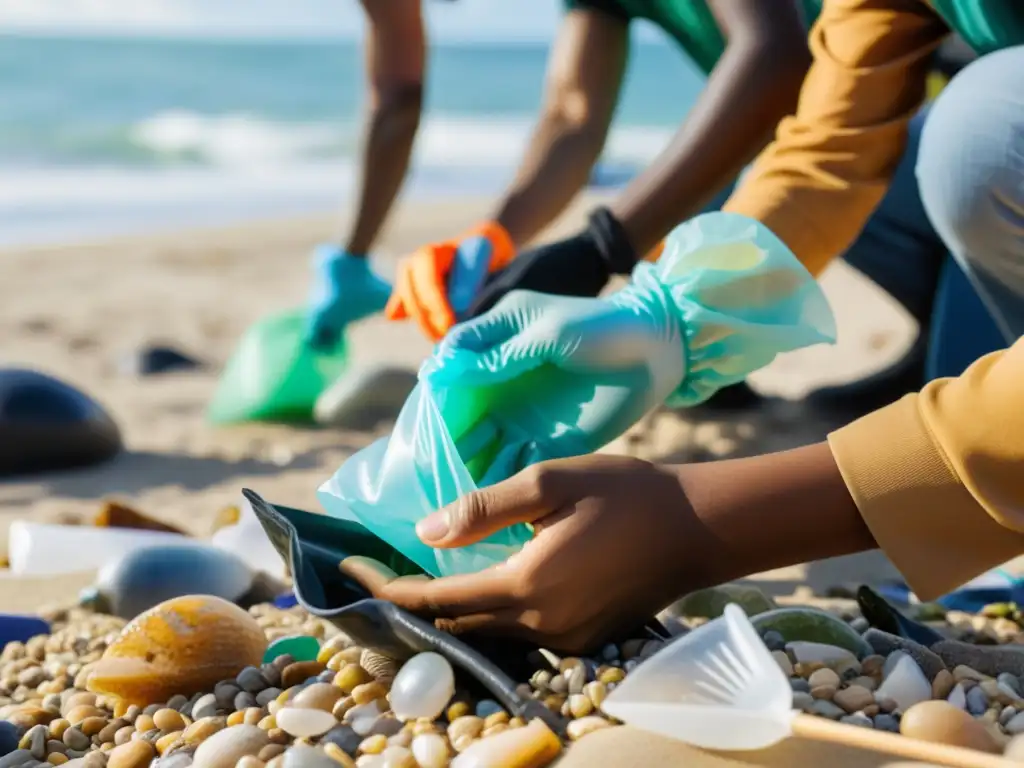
(725, 297)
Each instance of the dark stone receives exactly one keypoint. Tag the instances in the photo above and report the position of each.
(774, 640)
(154, 360)
(884, 722)
(142, 578)
(799, 685)
(47, 425)
(883, 644)
(988, 659)
(343, 737)
(10, 735)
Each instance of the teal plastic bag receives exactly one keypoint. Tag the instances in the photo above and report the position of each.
(724, 299)
(273, 374)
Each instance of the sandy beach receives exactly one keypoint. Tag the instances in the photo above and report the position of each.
(75, 310)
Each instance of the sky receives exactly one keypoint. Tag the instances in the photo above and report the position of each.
(463, 20)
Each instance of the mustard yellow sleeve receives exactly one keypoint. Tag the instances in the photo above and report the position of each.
(939, 476)
(830, 163)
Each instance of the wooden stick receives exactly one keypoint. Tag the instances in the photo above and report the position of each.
(820, 729)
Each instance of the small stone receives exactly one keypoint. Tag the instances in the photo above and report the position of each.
(799, 685)
(824, 692)
(904, 682)
(962, 672)
(16, 758)
(205, 706)
(75, 739)
(467, 726)
(344, 737)
(203, 729)
(824, 708)
(958, 697)
(803, 701)
(860, 624)
(577, 729)
(422, 687)
(854, 698)
(317, 696)
(243, 701)
(1010, 682)
(350, 676)
(611, 675)
(977, 701)
(134, 754)
(1006, 715)
(886, 722)
(942, 684)
(580, 705)
(225, 748)
(558, 684)
(305, 756)
(1015, 724)
(373, 745)
(939, 722)
(812, 625)
(367, 692)
(784, 663)
(251, 679)
(169, 720)
(858, 719)
(9, 737)
(774, 640)
(823, 677)
(430, 751)
(818, 653)
(299, 647)
(299, 721)
(300, 671)
(487, 707)
(865, 682)
(267, 695)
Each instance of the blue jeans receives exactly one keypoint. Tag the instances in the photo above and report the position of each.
(947, 240)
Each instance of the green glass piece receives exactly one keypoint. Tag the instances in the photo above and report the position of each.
(273, 375)
(299, 647)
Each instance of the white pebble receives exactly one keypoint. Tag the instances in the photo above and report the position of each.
(430, 751)
(298, 721)
(1016, 724)
(957, 697)
(423, 687)
(905, 683)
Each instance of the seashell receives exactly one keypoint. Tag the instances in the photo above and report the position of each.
(532, 745)
(184, 645)
(423, 687)
(145, 577)
(383, 668)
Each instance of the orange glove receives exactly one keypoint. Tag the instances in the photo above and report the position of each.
(440, 280)
(655, 253)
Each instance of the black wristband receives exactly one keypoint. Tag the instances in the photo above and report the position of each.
(612, 242)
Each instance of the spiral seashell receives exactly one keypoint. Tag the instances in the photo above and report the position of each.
(382, 668)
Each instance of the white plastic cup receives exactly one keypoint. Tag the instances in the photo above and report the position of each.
(42, 549)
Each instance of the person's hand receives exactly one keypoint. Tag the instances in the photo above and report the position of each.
(566, 375)
(439, 281)
(578, 266)
(616, 540)
(344, 290)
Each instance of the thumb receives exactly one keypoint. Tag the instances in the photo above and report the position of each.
(526, 497)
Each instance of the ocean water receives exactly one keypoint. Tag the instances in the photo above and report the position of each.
(105, 136)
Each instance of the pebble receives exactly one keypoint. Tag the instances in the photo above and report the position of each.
(858, 719)
(938, 721)
(1007, 715)
(826, 655)
(774, 641)
(854, 698)
(344, 737)
(134, 754)
(799, 685)
(205, 706)
(299, 721)
(75, 739)
(1015, 724)
(300, 671)
(225, 748)
(784, 663)
(9, 737)
(803, 701)
(430, 751)
(988, 660)
(15, 758)
(317, 696)
(977, 701)
(251, 679)
(823, 676)
(885, 644)
(886, 722)
(533, 745)
(1011, 682)
(957, 697)
(350, 677)
(825, 708)
(422, 688)
(942, 684)
(904, 682)
(305, 756)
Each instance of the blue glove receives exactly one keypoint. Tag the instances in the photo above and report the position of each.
(344, 290)
(566, 375)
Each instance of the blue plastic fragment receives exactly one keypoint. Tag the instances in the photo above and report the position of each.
(287, 600)
(17, 628)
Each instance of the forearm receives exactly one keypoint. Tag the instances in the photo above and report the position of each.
(766, 512)
(717, 140)
(390, 132)
(557, 165)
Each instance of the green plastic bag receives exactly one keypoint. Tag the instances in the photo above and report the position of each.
(273, 375)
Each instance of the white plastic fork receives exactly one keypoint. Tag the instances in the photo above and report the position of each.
(718, 687)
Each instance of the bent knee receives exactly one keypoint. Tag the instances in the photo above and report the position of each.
(970, 166)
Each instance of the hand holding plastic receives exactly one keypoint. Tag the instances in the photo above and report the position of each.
(344, 290)
(543, 377)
